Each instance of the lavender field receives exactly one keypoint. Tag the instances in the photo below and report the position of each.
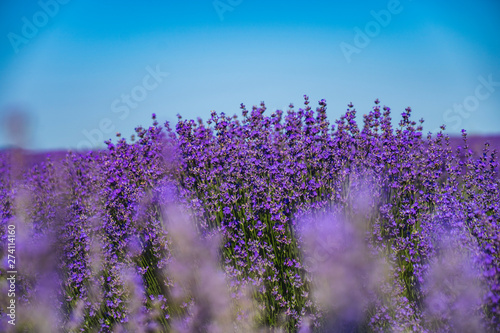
(263, 222)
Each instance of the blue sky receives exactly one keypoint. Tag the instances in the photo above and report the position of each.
(83, 70)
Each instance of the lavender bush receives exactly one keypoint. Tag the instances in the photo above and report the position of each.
(279, 222)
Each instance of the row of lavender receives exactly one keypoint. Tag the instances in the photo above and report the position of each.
(298, 225)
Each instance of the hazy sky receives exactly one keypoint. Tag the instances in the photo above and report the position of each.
(84, 70)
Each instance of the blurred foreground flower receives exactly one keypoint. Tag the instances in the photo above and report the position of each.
(199, 285)
(346, 276)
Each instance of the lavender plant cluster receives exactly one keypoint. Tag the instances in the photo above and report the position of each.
(280, 222)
